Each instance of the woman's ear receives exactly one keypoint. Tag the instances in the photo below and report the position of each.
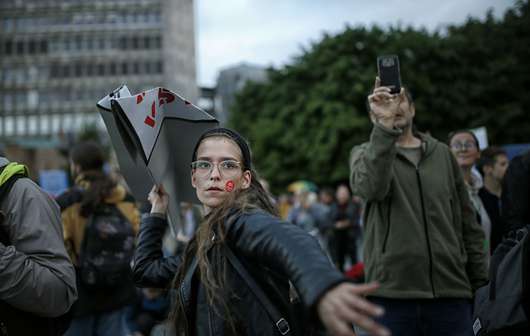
(193, 182)
(246, 179)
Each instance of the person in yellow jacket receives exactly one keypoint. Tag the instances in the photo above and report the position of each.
(100, 221)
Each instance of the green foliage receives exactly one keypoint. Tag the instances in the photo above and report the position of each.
(304, 121)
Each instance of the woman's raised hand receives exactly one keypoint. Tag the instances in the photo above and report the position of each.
(344, 305)
(159, 199)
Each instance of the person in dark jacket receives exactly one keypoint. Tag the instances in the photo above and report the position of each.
(493, 165)
(345, 215)
(516, 193)
(100, 309)
(212, 298)
(37, 279)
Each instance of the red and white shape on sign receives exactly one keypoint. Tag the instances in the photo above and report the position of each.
(150, 120)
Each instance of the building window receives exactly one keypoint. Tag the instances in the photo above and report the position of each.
(158, 42)
(135, 42)
(136, 68)
(32, 47)
(113, 69)
(147, 42)
(9, 47)
(20, 47)
(43, 46)
(90, 69)
(101, 69)
(125, 68)
(78, 69)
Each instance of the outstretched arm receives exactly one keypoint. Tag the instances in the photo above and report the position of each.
(291, 251)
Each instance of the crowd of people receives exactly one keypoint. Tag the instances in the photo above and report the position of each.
(400, 250)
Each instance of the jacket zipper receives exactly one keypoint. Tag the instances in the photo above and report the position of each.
(181, 297)
(389, 213)
(426, 231)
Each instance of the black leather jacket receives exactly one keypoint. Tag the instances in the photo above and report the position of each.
(273, 251)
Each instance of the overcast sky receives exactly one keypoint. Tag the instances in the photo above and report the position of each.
(271, 32)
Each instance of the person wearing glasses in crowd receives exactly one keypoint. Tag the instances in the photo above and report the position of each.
(212, 299)
(464, 145)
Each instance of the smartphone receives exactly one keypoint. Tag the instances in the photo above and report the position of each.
(388, 71)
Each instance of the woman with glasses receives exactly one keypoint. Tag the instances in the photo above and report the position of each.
(212, 297)
(464, 145)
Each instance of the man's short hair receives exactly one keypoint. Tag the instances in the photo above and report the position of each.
(488, 157)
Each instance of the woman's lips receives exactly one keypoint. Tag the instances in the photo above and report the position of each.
(214, 189)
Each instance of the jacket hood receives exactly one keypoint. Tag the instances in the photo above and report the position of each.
(428, 142)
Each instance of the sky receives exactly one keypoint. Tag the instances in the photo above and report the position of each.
(272, 32)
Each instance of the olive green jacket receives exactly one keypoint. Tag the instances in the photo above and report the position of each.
(422, 239)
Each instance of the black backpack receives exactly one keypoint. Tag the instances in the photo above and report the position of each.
(13, 321)
(107, 249)
(502, 307)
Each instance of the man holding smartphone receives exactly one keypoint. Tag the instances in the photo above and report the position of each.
(422, 242)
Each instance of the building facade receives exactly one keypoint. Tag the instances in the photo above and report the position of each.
(59, 57)
(230, 81)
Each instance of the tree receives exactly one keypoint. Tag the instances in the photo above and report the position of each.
(304, 121)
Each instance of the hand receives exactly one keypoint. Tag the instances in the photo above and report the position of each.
(383, 104)
(343, 306)
(159, 199)
(342, 224)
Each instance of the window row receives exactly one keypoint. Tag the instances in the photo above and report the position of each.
(42, 99)
(125, 68)
(13, 47)
(28, 74)
(10, 24)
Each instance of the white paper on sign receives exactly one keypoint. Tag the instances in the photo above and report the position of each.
(134, 171)
(158, 130)
(122, 91)
(146, 111)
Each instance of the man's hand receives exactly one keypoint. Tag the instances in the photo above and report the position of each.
(343, 306)
(159, 199)
(383, 104)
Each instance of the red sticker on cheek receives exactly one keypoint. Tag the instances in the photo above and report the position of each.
(229, 186)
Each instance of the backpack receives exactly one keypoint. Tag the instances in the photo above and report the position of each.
(14, 321)
(502, 307)
(107, 249)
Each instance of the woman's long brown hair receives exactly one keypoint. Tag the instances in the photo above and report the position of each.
(206, 246)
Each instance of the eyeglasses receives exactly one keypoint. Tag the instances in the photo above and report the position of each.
(458, 146)
(227, 168)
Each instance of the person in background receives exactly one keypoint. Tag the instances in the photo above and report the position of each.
(493, 165)
(421, 238)
(100, 221)
(516, 193)
(147, 315)
(465, 146)
(37, 279)
(345, 228)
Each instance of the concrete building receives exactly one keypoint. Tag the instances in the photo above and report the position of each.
(230, 81)
(58, 57)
